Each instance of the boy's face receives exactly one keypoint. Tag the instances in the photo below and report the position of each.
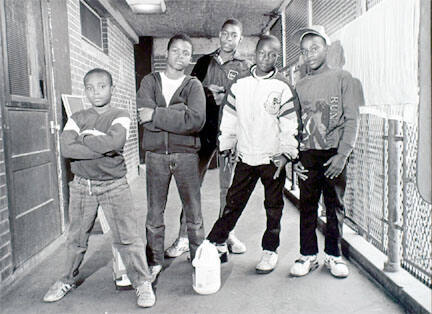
(266, 54)
(179, 55)
(314, 50)
(98, 89)
(229, 38)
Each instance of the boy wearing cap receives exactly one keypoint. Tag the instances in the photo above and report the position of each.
(329, 103)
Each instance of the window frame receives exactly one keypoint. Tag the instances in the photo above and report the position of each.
(97, 15)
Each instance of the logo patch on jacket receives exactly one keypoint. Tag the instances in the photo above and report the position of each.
(273, 103)
(232, 74)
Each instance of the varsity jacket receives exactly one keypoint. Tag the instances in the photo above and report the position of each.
(96, 157)
(260, 119)
(209, 69)
(329, 101)
(175, 126)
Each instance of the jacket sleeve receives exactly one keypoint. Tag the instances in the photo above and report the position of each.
(288, 125)
(185, 122)
(114, 139)
(70, 147)
(352, 99)
(146, 94)
(228, 126)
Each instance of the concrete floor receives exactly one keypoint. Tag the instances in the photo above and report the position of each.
(242, 291)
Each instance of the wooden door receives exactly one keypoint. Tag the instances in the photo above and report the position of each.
(30, 149)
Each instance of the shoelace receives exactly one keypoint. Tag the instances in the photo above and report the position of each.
(267, 256)
(141, 290)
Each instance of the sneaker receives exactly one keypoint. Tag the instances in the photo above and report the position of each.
(57, 291)
(338, 268)
(267, 263)
(145, 294)
(180, 246)
(155, 271)
(235, 245)
(304, 265)
(223, 252)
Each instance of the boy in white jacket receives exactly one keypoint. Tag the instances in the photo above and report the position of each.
(260, 122)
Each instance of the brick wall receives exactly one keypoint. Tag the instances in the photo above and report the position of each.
(117, 56)
(5, 235)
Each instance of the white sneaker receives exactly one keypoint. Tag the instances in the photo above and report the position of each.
(155, 271)
(145, 294)
(338, 268)
(180, 246)
(235, 245)
(57, 291)
(267, 263)
(304, 265)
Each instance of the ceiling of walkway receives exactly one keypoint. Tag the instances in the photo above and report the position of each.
(200, 18)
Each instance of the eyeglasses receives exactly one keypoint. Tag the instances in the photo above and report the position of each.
(313, 51)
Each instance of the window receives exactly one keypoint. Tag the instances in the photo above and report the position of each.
(25, 48)
(91, 25)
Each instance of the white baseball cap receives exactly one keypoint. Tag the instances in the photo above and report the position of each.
(319, 30)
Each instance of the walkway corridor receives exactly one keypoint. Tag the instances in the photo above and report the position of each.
(242, 291)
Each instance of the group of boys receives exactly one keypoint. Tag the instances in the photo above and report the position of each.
(245, 114)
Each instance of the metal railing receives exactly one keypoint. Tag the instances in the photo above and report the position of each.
(382, 199)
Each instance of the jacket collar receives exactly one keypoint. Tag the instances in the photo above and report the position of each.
(268, 76)
(236, 56)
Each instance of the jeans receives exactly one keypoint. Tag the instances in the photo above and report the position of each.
(159, 169)
(115, 198)
(225, 178)
(310, 191)
(245, 179)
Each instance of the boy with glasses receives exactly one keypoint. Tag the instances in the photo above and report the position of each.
(329, 103)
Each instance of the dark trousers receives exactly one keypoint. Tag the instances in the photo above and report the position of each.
(244, 181)
(310, 192)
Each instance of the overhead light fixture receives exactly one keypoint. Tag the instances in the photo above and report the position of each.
(147, 6)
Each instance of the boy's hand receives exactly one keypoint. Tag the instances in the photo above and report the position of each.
(337, 164)
(218, 93)
(92, 132)
(301, 171)
(145, 114)
(230, 158)
(280, 161)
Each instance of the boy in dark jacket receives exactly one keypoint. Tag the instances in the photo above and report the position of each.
(94, 139)
(329, 103)
(217, 71)
(171, 107)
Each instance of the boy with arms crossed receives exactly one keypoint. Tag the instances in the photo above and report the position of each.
(171, 106)
(217, 71)
(94, 139)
